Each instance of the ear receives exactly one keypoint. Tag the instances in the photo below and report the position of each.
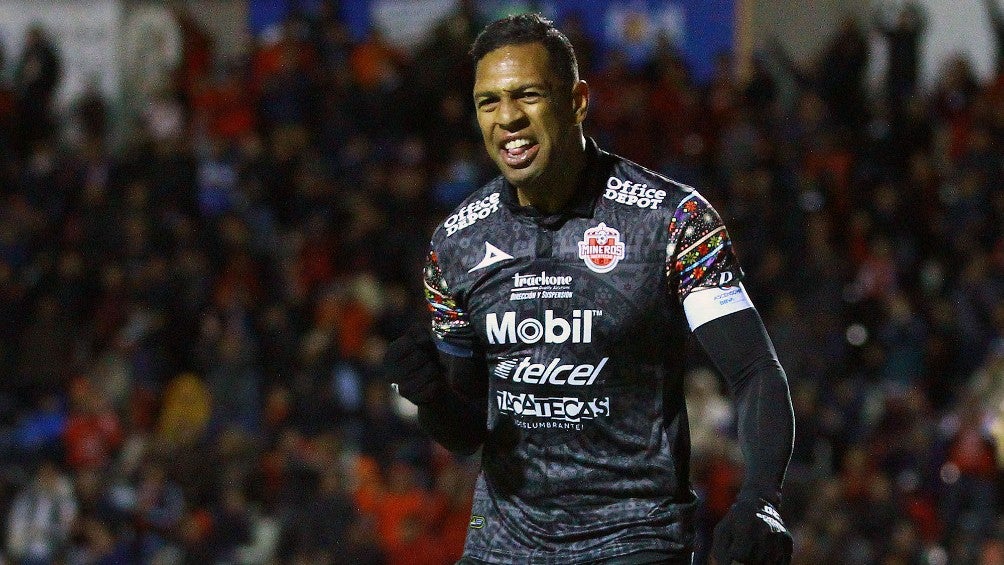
(580, 101)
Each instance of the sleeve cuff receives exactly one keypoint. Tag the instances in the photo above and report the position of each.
(453, 349)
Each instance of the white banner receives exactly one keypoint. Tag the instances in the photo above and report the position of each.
(954, 28)
(84, 33)
(405, 23)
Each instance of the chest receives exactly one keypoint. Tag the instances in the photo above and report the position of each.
(585, 282)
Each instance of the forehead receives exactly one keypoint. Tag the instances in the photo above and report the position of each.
(512, 66)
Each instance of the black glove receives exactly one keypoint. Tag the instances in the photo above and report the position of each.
(411, 362)
(752, 533)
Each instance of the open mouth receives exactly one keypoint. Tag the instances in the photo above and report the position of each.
(519, 152)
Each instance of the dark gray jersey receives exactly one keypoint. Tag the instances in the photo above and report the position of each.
(581, 318)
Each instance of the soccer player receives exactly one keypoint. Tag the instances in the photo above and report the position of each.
(561, 293)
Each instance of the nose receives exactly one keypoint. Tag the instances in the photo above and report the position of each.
(510, 114)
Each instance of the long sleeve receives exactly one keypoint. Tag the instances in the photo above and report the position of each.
(457, 419)
(741, 350)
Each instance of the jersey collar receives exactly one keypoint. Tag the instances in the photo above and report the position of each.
(583, 201)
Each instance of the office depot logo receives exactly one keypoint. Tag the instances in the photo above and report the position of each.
(601, 248)
(633, 193)
(553, 329)
(468, 215)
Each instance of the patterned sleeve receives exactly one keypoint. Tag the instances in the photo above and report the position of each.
(450, 323)
(701, 264)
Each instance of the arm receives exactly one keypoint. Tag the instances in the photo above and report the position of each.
(880, 22)
(453, 419)
(440, 371)
(705, 274)
(741, 350)
(995, 14)
(790, 67)
(424, 375)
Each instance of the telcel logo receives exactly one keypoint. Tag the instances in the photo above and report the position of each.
(552, 373)
(531, 330)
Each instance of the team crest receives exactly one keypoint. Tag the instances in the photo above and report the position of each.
(601, 248)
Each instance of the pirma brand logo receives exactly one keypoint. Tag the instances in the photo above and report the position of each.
(492, 255)
(477, 522)
(601, 248)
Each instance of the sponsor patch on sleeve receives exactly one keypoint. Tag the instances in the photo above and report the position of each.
(705, 304)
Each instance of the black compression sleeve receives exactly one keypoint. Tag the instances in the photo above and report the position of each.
(456, 420)
(741, 350)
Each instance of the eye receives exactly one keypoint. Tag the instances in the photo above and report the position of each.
(487, 104)
(531, 97)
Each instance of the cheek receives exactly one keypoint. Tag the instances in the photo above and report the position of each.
(551, 130)
(484, 126)
(486, 135)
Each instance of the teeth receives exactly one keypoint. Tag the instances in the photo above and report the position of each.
(516, 143)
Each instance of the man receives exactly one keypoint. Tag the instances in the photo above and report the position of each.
(41, 517)
(560, 294)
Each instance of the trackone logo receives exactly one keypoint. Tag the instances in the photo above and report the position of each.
(562, 408)
(543, 279)
(526, 371)
(540, 285)
(531, 330)
(466, 216)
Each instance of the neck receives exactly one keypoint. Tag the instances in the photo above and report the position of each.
(551, 192)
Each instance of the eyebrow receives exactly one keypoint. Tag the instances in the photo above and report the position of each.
(520, 88)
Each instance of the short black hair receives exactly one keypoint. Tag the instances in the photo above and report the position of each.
(520, 29)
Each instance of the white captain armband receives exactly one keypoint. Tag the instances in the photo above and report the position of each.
(705, 304)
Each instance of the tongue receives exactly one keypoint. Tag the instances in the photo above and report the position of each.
(516, 152)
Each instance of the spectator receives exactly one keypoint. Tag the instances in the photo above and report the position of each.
(324, 523)
(36, 78)
(969, 474)
(996, 18)
(903, 51)
(93, 430)
(41, 517)
(158, 511)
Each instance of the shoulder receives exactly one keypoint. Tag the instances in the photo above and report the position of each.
(635, 186)
(478, 206)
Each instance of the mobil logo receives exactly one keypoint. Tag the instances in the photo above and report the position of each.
(505, 328)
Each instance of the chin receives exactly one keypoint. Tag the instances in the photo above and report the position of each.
(521, 178)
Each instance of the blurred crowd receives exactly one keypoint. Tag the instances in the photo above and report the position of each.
(192, 317)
